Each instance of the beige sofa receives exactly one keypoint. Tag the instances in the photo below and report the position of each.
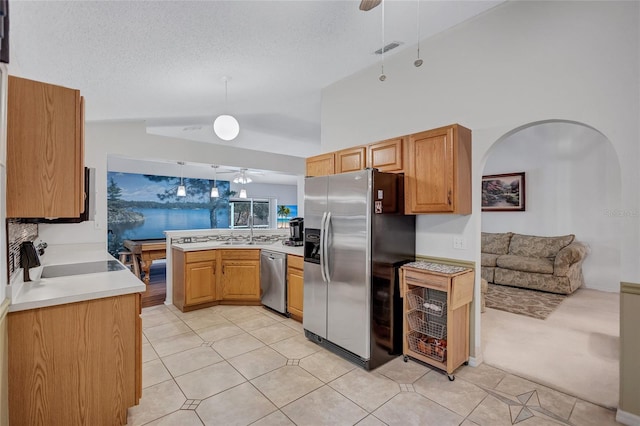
(552, 264)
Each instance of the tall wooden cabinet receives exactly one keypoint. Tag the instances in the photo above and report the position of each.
(45, 150)
(438, 177)
(77, 363)
(295, 286)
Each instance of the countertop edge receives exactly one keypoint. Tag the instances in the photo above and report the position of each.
(63, 300)
(281, 248)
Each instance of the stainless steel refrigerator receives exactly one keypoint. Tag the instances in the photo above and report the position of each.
(356, 237)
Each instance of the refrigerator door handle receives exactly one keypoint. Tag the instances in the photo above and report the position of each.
(325, 243)
(322, 252)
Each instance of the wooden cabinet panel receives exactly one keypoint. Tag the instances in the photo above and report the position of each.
(321, 165)
(454, 292)
(438, 179)
(45, 154)
(74, 364)
(387, 156)
(200, 282)
(240, 280)
(351, 160)
(295, 286)
(194, 279)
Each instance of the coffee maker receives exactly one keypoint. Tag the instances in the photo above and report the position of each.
(296, 228)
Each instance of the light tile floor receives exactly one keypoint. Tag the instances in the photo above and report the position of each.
(241, 365)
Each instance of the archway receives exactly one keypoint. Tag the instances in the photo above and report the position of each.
(572, 187)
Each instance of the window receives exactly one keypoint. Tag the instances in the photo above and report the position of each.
(261, 209)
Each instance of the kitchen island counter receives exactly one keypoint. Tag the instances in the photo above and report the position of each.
(210, 245)
(44, 292)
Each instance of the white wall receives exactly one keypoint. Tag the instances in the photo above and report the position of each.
(285, 194)
(572, 186)
(129, 139)
(518, 63)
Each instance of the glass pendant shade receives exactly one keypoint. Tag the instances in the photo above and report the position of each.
(226, 127)
(243, 193)
(214, 192)
(182, 191)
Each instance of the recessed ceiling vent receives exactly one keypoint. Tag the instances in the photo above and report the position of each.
(388, 47)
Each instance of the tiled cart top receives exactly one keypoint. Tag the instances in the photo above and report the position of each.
(436, 267)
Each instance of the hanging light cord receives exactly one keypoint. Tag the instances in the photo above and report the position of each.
(418, 27)
(382, 76)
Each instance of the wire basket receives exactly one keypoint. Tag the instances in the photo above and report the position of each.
(419, 299)
(429, 347)
(418, 322)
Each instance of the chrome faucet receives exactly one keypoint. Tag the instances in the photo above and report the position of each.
(250, 229)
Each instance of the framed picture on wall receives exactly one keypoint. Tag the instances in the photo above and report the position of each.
(503, 193)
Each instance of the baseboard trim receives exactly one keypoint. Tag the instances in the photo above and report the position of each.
(474, 362)
(629, 288)
(628, 419)
(446, 261)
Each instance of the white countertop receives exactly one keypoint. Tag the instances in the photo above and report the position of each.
(208, 245)
(43, 292)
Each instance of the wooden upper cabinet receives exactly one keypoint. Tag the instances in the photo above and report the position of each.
(321, 165)
(438, 176)
(351, 160)
(387, 156)
(45, 154)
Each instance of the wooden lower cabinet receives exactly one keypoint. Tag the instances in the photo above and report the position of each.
(194, 279)
(239, 275)
(436, 314)
(75, 364)
(295, 286)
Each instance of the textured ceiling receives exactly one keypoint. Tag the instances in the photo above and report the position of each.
(163, 61)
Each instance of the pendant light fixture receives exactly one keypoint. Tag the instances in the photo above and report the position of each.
(243, 179)
(418, 61)
(226, 127)
(214, 190)
(182, 190)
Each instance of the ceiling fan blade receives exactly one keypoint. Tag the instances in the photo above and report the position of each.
(369, 4)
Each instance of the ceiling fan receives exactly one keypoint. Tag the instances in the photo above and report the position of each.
(367, 5)
(242, 176)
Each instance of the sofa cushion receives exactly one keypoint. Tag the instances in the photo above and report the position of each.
(526, 264)
(487, 259)
(531, 246)
(495, 243)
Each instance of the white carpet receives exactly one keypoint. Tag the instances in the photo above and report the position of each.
(575, 350)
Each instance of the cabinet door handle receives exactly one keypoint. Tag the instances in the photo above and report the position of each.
(449, 197)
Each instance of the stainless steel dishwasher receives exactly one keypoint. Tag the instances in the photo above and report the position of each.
(273, 280)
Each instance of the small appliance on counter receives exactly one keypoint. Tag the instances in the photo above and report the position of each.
(296, 228)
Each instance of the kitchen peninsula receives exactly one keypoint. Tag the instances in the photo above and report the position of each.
(217, 266)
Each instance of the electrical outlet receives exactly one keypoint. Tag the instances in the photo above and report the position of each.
(459, 243)
(187, 239)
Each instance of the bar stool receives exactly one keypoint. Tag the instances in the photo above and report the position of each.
(130, 260)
